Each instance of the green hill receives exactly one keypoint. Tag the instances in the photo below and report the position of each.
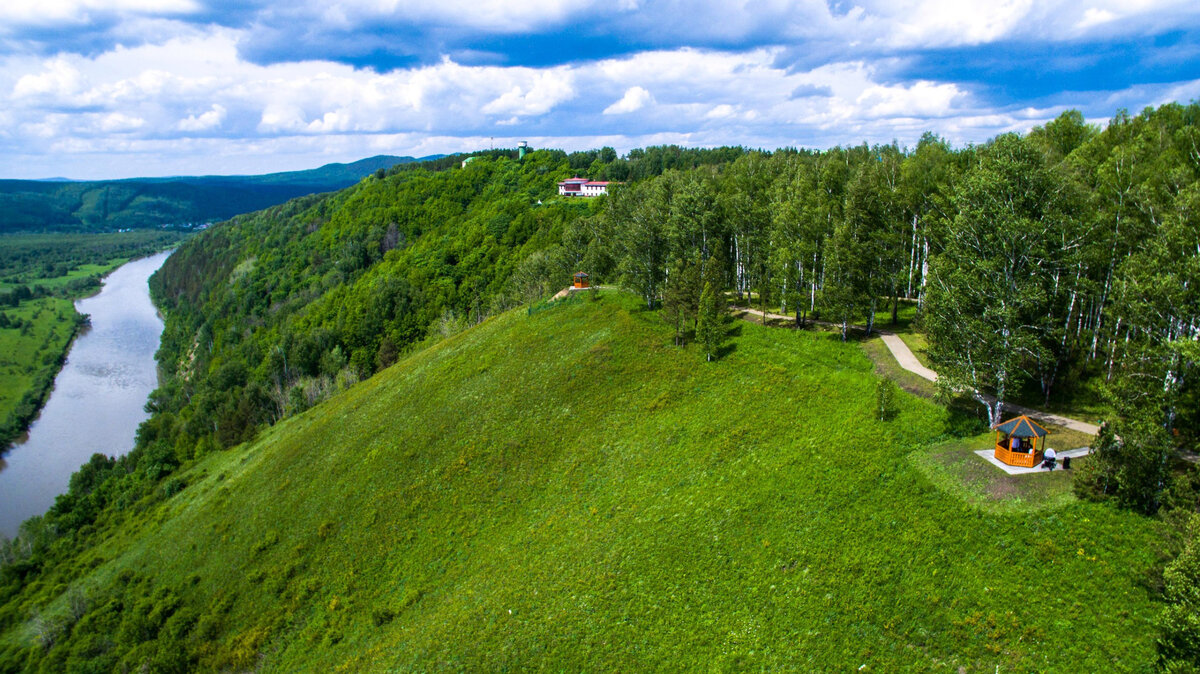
(564, 489)
(37, 205)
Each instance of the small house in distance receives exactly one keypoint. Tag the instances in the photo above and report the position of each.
(581, 280)
(582, 187)
(1020, 441)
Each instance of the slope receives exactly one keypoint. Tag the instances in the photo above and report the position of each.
(561, 488)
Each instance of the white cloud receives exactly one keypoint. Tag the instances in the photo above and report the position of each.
(494, 15)
(1095, 17)
(635, 98)
(119, 122)
(949, 22)
(59, 79)
(43, 12)
(195, 95)
(721, 111)
(281, 117)
(542, 92)
(921, 99)
(337, 121)
(205, 121)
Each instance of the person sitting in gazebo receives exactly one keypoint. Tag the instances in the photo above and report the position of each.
(1018, 440)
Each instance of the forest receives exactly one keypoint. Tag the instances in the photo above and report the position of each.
(1042, 265)
(179, 202)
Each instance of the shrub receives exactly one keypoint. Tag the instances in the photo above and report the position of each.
(1179, 645)
(885, 399)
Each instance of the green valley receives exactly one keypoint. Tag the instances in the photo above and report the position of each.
(40, 276)
(181, 201)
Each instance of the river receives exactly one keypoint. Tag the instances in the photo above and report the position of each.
(98, 397)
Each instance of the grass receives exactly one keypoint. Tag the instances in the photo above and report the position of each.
(31, 355)
(82, 271)
(563, 489)
(1083, 399)
(918, 344)
(955, 468)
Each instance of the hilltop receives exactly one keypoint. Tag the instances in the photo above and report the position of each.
(560, 487)
(318, 486)
(105, 205)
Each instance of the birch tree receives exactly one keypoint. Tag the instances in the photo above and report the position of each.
(985, 307)
(639, 217)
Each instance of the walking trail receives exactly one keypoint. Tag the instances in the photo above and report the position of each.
(907, 360)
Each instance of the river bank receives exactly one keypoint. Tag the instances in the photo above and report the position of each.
(97, 399)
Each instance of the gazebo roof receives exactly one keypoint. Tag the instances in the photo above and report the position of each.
(581, 273)
(1021, 427)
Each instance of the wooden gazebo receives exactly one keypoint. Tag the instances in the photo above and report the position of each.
(1020, 441)
(581, 279)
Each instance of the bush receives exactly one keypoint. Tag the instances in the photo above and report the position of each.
(1179, 645)
(885, 399)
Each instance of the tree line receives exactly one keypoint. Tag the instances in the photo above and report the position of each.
(1065, 255)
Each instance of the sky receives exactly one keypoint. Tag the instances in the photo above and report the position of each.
(95, 89)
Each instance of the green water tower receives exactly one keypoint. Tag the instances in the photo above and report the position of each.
(522, 148)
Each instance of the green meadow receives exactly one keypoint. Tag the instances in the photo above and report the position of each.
(30, 354)
(564, 489)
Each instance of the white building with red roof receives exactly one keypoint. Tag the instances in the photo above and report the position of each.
(582, 187)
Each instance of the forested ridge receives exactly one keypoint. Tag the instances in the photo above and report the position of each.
(1063, 258)
(176, 202)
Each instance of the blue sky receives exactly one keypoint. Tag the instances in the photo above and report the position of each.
(120, 88)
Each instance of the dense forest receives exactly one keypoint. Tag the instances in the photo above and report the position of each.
(109, 205)
(1057, 260)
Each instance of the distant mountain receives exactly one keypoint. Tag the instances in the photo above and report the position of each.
(59, 204)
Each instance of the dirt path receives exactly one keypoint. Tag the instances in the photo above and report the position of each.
(907, 360)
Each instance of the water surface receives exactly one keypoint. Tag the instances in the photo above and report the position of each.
(98, 397)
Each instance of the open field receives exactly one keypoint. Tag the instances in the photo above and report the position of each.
(30, 355)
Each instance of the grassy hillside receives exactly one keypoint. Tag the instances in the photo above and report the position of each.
(564, 489)
(270, 311)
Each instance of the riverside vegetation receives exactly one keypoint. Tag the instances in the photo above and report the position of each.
(40, 276)
(384, 469)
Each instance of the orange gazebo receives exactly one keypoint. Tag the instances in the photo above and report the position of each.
(1020, 441)
(581, 279)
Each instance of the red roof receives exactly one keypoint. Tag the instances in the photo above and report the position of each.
(597, 183)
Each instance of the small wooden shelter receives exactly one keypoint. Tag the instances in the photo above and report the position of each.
(1020, 441)
(581, 279)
